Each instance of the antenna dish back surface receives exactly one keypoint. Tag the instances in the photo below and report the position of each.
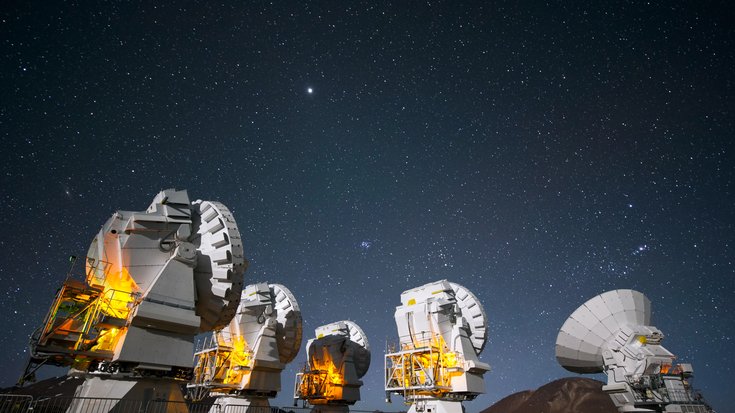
(475, 315)
(349, 331)
(221, 264)
(362, 354)
(583, 336)
(289, 327)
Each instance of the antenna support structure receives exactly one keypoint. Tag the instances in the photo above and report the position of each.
(241, 364)
(337, 358)
(154, 280)
(442, 330)
(612, 333)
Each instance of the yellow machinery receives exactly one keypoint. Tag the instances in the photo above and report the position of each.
(154, 280)
(337, 358)
(442, 329)
(84, 323)
(241, 364)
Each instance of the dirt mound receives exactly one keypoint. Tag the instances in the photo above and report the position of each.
(569, 395)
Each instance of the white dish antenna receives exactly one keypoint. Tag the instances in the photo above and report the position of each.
(361, 356)
(289, 328)
(337, 358)
(442, 329)
(581, 339)
(474, 313)
(220, 266)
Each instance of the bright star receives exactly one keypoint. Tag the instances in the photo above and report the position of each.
(309, 91)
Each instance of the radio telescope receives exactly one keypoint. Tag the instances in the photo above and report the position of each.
(611, 333)
(337, 358)
(154, 279)
(241, 364)
(442, 329)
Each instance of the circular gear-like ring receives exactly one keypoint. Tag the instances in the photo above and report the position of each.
(475, 315)
(220, 266)
(361, 356)
(289, 325)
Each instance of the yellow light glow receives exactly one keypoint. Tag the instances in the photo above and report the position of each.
(120, 281)
(323, 382)
(431, 367)
(239, 361)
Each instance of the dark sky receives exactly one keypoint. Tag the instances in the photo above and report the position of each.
(538, 154)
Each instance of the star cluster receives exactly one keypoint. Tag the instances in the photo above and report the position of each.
(536, 153)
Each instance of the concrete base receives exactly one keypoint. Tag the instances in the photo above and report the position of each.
(436, 406)
(230, 404)
(330, 408)
(118, 395)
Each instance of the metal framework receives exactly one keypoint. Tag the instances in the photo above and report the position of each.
(423, 369)
(442, 329)
(220, 361)
(337, 358)
(83, 324)
(313, 385)
(241, 364)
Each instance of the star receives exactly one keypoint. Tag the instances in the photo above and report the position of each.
(309, 90)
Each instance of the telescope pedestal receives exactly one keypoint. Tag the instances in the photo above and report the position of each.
(436, 406)
(231, 404)
(330, 408)
(112, 395)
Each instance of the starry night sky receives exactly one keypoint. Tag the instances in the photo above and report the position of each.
(538, 154)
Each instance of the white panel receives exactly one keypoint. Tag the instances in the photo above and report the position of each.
(612, 301)
(647, 310)
(565, 352)
(621, 318)
(597, 307)
(567, 341)
(632, 317)
(588, 351)
(637, 316)
(639, 300)
(611, 324)
(586, 318)
(626, 297)
(575, 329)
(594, 339)
(602, 331)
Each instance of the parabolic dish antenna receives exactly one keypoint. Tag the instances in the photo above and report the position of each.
(289, 326)
(337, 358)
(220, 264)
(584, 335)
(362, 353)
(473, 312)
